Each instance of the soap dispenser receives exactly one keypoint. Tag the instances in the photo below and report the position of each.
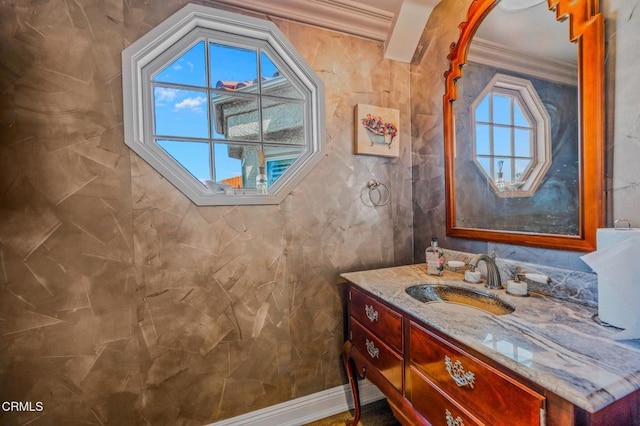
(434, 257)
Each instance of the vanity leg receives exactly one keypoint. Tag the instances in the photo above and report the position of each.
(353, 381)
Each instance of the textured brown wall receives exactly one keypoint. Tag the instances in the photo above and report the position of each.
(427, 88)
(122, 302)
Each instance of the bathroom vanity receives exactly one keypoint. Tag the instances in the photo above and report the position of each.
(545, 363)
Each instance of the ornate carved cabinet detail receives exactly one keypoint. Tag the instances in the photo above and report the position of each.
(427, 379)
(375, 332)
(466, 385)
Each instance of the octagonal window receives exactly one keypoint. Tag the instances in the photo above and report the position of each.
(512, 136)
(223, 107)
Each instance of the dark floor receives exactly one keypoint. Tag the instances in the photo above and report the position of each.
(374, 414)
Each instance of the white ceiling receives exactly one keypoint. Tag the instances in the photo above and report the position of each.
(545, 37)
(400, 23)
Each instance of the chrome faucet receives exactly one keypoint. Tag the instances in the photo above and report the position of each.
(493, 276)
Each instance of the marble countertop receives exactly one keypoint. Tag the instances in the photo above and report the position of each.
(552, 342)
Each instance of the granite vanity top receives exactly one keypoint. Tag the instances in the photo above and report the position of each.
(552, 342)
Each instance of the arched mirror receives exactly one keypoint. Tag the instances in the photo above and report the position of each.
(523, 124)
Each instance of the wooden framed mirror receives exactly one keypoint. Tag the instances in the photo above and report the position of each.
(524, 164)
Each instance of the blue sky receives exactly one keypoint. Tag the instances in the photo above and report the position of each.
(500, 108)
(184, 112)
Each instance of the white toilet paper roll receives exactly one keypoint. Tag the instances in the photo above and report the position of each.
(618, 269)
(606, 237)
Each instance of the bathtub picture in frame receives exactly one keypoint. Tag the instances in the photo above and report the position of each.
(377, 131)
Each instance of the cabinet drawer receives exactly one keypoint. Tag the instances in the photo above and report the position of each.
(436, 407)
(381, 320)
(492, 395)
(383, 358)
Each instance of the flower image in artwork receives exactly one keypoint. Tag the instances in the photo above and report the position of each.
(378, 126)
(377, 131)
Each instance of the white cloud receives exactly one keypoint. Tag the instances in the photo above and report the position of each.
(179, 66)
(193, 104)
(164, 94)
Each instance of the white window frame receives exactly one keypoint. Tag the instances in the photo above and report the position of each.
(137, 107)
(542, 157)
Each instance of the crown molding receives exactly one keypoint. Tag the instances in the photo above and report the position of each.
(340, 15)
(494, 55)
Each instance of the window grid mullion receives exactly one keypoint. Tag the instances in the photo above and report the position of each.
(521, 154)
(260, 115)
(170, 140)
(512, 144)
(212, 162)
(492, 139)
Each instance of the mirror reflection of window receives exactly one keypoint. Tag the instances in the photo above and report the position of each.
(504, 138)
(223, 124)
(524, 40)
(510, 135)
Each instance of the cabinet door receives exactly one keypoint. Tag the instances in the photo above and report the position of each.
(377, 317)
(492, 395)
(435, 406)
(387, 361)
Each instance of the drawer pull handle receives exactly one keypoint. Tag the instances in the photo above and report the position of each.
(451, 421)
(371, 348)
(372, 314)
(457, 373)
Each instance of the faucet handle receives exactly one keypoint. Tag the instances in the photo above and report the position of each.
(518, 276)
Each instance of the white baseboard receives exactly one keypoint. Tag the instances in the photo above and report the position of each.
(307, 408)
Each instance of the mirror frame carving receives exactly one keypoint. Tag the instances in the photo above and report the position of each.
(586, 28)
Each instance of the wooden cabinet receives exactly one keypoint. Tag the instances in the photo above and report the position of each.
(375, 331)
(377, 317)
(381, 356)
(478, 387)
(429, 378)
(435, 405)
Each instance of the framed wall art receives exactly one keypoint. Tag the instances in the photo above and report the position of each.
(377, 131)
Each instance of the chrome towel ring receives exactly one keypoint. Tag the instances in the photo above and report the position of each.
(383, 195)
